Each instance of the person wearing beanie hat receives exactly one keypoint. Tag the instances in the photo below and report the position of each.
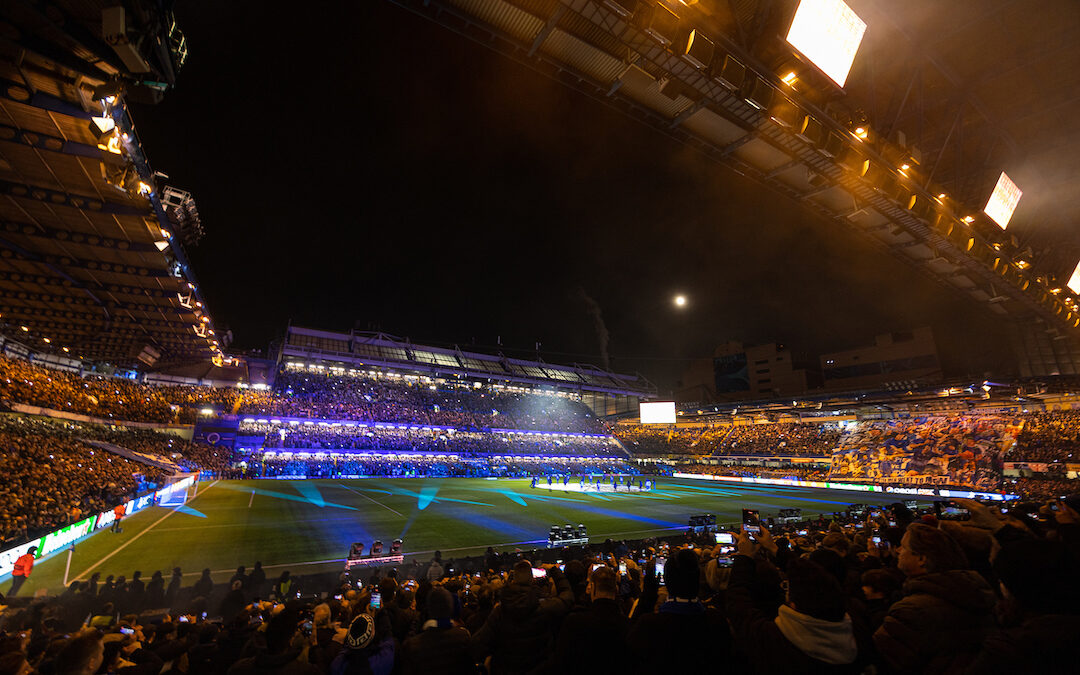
(440, 648)
(518, 632)
(369, 648)
(683, 633)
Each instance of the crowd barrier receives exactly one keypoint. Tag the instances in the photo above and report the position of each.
(861, 487)
(65, 536)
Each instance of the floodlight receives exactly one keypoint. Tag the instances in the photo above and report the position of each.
(100, 126)
(785, 113)
(1074, 280)
(728, 72)
(760, 94)
(827, 32)
(662, 25)
(699, 49)
(623, 8)
(1003, 201)
(811, 130)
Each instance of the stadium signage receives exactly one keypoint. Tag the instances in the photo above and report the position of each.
(70, 534)
(66, 535)
(922, 492)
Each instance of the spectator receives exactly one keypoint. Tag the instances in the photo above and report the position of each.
(440, 647)
(520, 629)
(602, 622)
(282, 657)
(677, 636)
(367, 649)
(945, 611)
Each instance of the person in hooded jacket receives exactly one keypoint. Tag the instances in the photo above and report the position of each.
(811, 631)
(944, 612)
(520, 629)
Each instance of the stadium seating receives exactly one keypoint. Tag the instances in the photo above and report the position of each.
(106, 397)
(391, 397)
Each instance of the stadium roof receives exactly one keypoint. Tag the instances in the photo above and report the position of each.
(958, 92)
(91, 242)
(380, 349)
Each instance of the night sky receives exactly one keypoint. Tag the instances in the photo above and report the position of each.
(358, 165)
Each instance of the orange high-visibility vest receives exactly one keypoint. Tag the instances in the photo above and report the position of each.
(118, 512)
(23, 565)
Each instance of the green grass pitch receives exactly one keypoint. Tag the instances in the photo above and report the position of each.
(307, 525)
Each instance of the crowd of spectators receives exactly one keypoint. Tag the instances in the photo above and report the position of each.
(52, 479)
(886, 591)
(1048, 437)
(772, 439)
(383, 397)
(106, 397)
(322, 466)
(392, 438)
(800, 472)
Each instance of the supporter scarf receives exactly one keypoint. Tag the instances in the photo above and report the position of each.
(830, 641)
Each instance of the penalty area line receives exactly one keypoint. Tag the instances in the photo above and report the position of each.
(136, 537)
(370, 499)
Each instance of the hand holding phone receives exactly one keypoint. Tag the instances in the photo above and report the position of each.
(751, 522)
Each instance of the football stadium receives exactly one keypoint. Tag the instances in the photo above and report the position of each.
(539, 336)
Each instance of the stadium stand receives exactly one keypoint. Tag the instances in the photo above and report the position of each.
(390, 396)
(106, 397)
(51, 478)
(774, 439)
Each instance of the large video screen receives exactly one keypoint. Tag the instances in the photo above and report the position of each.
(1003, 201)
(827, 32)
(658, 412)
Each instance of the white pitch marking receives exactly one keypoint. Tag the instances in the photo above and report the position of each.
(370, 499)
(136, 537)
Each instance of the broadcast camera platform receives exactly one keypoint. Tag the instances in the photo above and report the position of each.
(376, 558)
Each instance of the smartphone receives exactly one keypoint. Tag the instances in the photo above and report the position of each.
(306, 627)
(338, 597)
(725, 561)
(725, 538)
(376, 600)
(562, 567)
(539, 573)
(660, 563)
(622, 568)
(182, 619)
(131, 631)
(802, 533)
(751, 522)
(204, 616)
(596, 567)
(950, 510)
(876, 539)
(892, 523)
